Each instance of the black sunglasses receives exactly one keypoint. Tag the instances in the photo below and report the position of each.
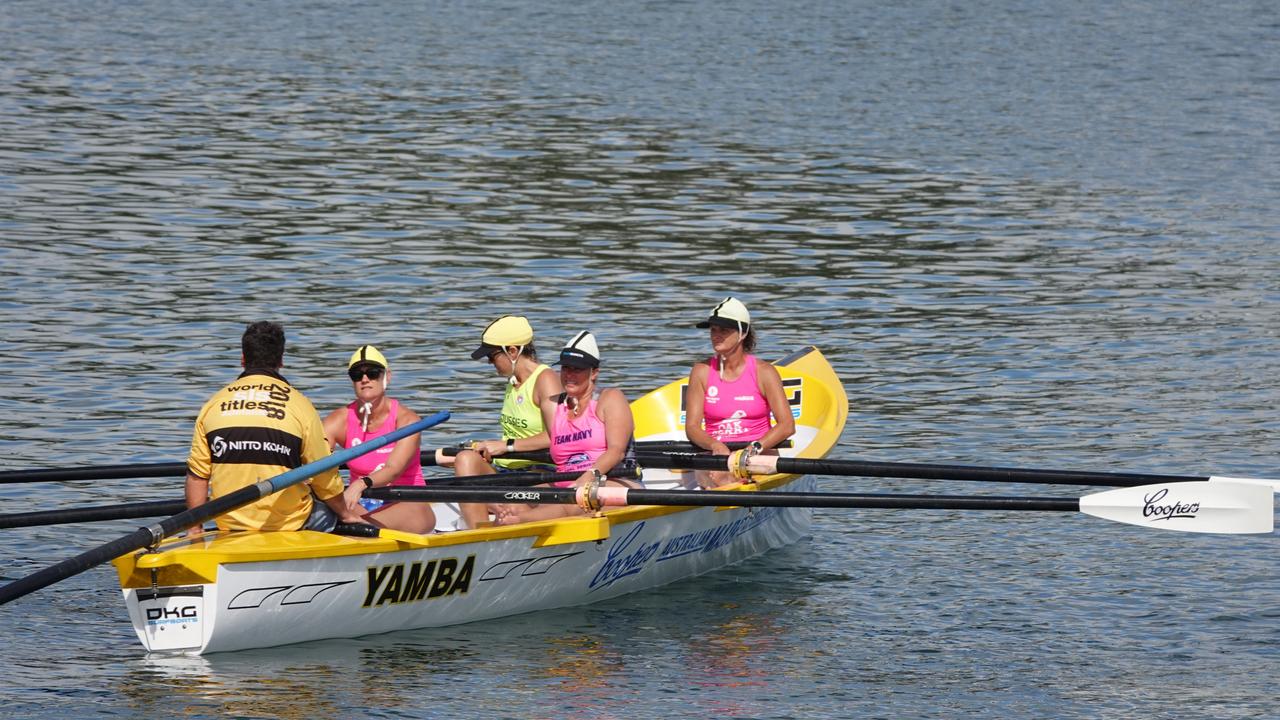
(373, 373)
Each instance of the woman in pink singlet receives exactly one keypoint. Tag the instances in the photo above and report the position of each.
(372, 414)
(734, 397)
(590, 430)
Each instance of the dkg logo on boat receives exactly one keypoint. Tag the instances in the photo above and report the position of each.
(161, 616)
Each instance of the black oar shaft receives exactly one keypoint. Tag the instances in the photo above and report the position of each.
(124, 511)
(175, 469)
(984, 474)
(847, 500)
(70, 567)
(920, 471)
(98, 472)
(159, 508)
(719, 498)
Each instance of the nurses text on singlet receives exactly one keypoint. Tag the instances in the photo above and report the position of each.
(521, 416)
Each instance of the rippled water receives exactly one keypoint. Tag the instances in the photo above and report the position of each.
(1024, 234)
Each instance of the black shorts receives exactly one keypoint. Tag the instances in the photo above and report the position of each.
(322, 519)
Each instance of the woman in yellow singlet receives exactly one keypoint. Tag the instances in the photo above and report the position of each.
(507, 343)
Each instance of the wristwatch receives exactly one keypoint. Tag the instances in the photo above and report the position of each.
(511, 444)
(368, 481)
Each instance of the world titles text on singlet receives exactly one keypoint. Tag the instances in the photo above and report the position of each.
(253, 429)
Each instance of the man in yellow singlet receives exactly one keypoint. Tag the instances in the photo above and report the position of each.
(256, 428)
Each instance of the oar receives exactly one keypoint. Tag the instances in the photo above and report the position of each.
(175, 469)
(770, 464)
(152, 534)
(123, 511)
(158, 508)
(1221, 507)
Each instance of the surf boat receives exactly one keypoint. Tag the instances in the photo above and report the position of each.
(241, 590)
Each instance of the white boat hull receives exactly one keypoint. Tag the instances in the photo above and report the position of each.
(261, 604)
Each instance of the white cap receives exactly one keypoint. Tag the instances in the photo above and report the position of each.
(730, 313)
(581, 351)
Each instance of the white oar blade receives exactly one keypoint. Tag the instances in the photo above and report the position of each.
(1273, 484)
(1207, 507)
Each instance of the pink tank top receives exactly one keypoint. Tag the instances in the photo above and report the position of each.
(371, 462)
(735, 411)
(576, 443)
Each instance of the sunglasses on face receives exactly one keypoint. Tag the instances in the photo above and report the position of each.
(373, 373)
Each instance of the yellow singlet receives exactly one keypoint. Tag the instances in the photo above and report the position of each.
(521, 416)
(255, 428)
